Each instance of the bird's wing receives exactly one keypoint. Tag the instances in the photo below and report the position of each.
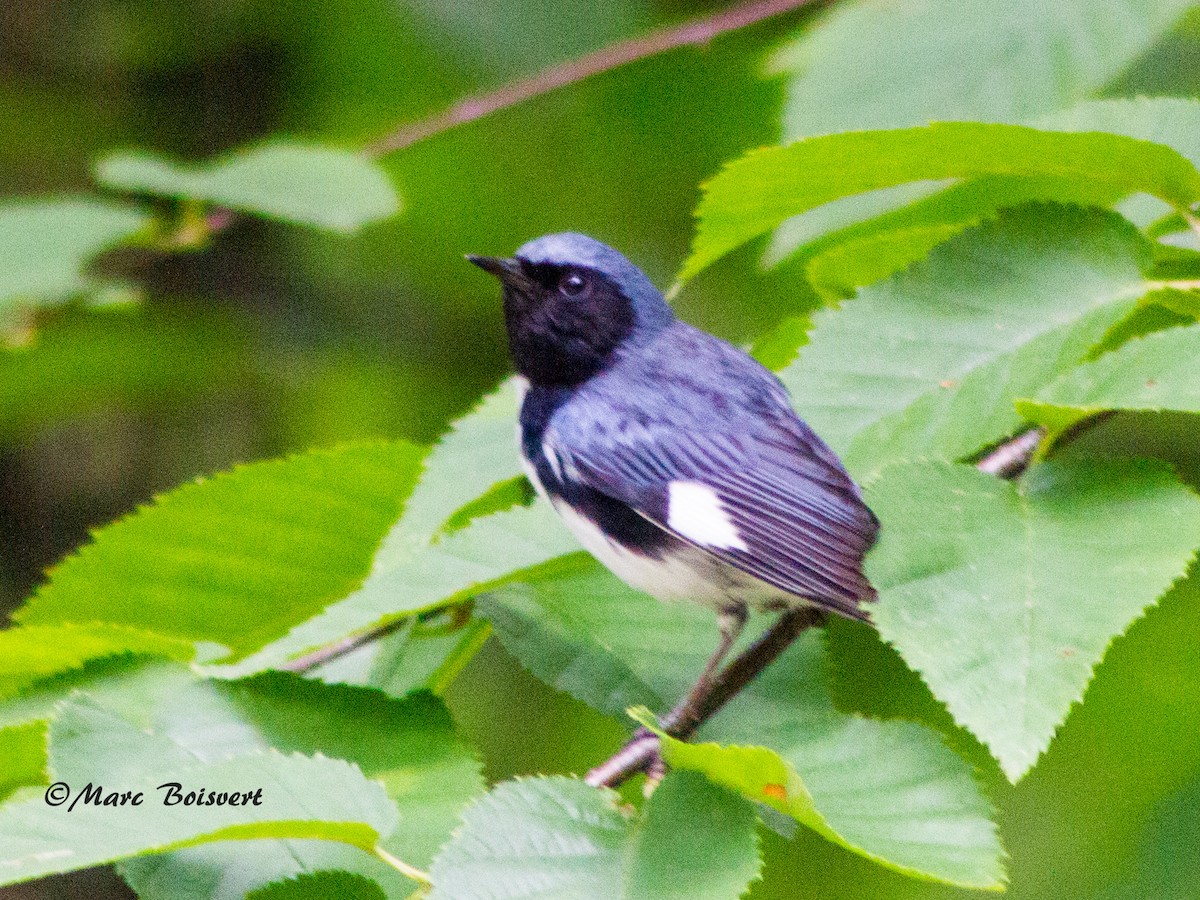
(771, 501)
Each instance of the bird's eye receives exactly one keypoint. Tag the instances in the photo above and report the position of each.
(573, 285)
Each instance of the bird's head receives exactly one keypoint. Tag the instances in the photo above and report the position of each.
(570, 303)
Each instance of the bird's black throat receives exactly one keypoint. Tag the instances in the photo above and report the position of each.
(559, 342)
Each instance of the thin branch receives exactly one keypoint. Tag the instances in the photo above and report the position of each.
(338, 649)
(761, 654)
(692, 33)
(642, 749)
(639, 751)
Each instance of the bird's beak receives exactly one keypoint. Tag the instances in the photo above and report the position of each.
(509, 271)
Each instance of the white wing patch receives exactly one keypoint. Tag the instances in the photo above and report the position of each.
(694, 511)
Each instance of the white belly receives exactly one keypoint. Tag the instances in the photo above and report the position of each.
(681, 573)
(686, 574)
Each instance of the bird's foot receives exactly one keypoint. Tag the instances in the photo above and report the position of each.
(656, 771)
(641, 753)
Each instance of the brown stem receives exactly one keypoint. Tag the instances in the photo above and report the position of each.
(338, 649)
(642, 749)
(634, 757)
(761, 654)
(692, 33)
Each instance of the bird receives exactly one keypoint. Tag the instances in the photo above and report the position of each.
(675, 458)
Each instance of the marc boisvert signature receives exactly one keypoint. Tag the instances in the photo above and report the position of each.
(173, 794)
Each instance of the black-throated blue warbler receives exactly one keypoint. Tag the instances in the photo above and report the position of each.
(674, 457)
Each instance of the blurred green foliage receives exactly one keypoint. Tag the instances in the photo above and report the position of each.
(272, 339)
(385, 335)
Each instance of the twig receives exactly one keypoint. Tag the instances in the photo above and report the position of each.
(338, 649)
(761, 654)
(692, 33)
(639, 751)
(642, 748)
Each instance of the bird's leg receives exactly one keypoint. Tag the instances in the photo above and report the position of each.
(731, 620)
(686, 715)
(640, 752)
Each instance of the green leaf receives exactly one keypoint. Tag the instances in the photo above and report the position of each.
(758, 192)
(409, 746)
(778, 347)
(470, 473)
(868, 676)
(1183, 303)
(477, 454)
(988, 317)
(541, 837)
(1153, 313)
(557, 837)
(696, 840)
(424, 660)
(957, 842)
(418, 655)
(301, 798)
(39, 701)
(836, 272)
(553, 628)
(46, 244)
(1005, 596)
(1154, 372)
(36, 651)
(228, 870)
(162, 719)
(1170, 121)
(891, 791)
(22, 757)
(491, 551)
(867, 219)
(305, 184)
(516, 491)
(321, 886)
(239, 558)
(868, 781)
(960, 59)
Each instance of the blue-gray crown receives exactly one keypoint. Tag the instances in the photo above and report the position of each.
(569, 248)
